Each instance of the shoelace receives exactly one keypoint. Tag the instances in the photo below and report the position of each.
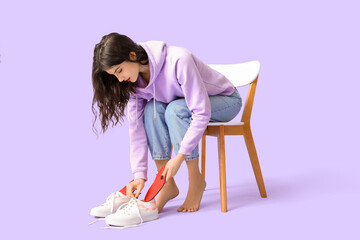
(128, 205)
(110, 200)
(97, 219)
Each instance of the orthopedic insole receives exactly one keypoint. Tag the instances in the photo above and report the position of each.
(156, 186)
(123, 190)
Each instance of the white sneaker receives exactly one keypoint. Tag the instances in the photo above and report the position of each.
(113, 202)
(134, 213)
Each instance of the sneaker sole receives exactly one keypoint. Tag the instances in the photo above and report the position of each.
(117, 224)
(99, 215)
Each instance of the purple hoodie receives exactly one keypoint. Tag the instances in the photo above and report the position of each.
(174, 73)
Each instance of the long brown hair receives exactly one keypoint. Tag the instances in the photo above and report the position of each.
(111, 95)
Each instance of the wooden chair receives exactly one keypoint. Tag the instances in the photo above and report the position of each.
(240, 75)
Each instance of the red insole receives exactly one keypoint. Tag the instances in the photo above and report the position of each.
(156, 186)
(123, 190)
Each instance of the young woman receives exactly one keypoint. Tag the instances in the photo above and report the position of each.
(170, 96)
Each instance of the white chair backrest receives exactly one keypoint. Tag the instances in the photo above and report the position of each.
(239, 74)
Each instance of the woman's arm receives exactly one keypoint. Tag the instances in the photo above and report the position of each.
(138, 140)
(198, 102)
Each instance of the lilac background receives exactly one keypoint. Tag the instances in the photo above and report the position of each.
(305, 118)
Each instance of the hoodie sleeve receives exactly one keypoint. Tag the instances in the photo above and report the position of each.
(138, 140)
(197, 100)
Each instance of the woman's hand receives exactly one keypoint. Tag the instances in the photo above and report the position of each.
(138, 185)
(173, 166)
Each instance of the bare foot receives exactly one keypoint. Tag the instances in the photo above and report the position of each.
(168, 192)
(196, 189)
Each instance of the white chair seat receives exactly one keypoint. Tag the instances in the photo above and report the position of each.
(224, 123)
(239, 74)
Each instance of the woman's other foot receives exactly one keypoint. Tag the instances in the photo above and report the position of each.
(196, 189)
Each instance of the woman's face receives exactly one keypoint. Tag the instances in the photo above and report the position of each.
(126, 71)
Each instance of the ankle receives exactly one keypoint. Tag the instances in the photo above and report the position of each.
(171, 183)
(195, 177)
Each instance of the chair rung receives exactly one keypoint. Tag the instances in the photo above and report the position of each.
(228, 130)
(224, 123)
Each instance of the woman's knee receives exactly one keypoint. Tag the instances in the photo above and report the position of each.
(177, 109)
(149, 108)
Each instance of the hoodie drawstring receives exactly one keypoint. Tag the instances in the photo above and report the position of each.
(137, 123)
(154, 102)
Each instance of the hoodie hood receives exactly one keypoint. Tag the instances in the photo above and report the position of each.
(156, 51)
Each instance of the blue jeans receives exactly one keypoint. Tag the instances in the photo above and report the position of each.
(173, 120)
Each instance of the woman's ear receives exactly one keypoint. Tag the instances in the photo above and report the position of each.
(132, 56)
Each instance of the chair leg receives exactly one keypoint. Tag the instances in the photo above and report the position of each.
(222, 169)
(254, 161)
(203, 151)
